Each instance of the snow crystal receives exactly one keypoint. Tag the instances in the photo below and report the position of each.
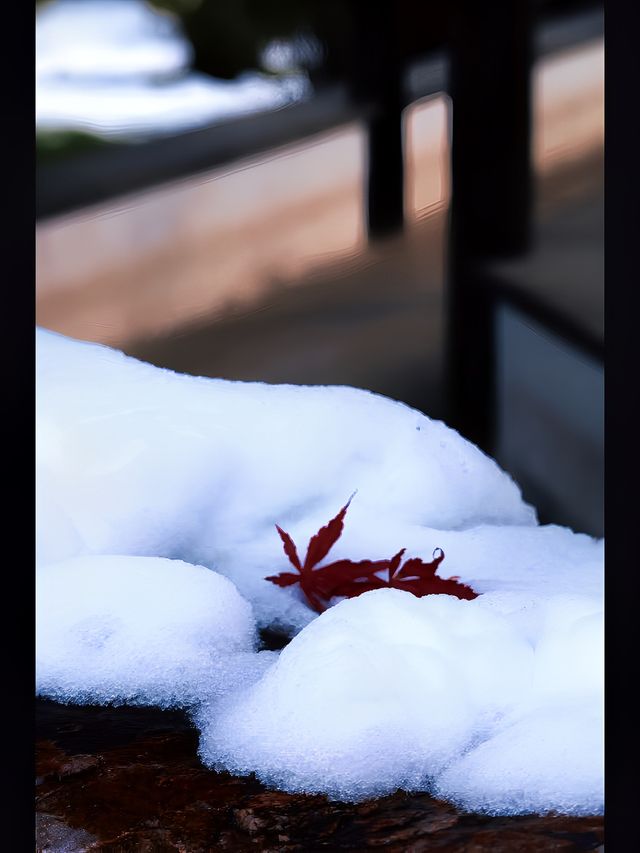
(142, 630)
(157, 499)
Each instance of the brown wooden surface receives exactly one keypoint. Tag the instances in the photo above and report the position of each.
(128, 779)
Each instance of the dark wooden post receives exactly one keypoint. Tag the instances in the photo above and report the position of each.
(377, 79)
(491, 189)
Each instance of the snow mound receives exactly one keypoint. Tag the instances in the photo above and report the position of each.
(141, 630)
(390, 691)
(549, 760)
(140, 460)
(157, 500)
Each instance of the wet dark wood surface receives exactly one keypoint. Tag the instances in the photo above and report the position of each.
(128, 779)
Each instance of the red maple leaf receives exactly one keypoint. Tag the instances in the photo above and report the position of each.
(348, 579)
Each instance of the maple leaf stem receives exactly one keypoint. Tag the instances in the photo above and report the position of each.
(315, 603)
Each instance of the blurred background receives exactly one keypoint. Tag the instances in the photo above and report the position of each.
(406, 198)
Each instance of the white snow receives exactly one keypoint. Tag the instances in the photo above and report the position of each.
(494, 704)
(120, 68)
(142, 630)
(375, 693)
(145, 461)
(389, 691)
(108, 38)
(550, 759)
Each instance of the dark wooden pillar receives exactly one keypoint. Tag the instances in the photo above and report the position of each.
(490, 48)
(377, 80)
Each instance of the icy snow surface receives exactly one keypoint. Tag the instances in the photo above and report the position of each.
(120, 68)
(494, 704)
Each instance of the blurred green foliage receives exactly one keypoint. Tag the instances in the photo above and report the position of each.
(55, 145)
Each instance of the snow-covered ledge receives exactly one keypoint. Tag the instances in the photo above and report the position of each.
(157, 496)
